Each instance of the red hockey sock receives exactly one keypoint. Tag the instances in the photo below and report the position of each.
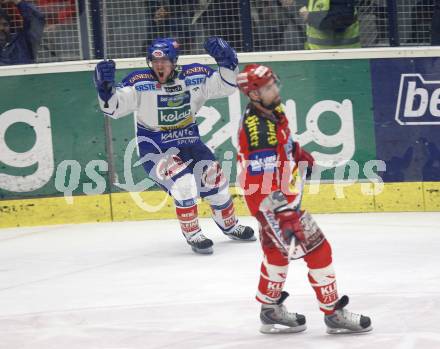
(324, 283)
(188, 219)
(273, 275)
(322, 277)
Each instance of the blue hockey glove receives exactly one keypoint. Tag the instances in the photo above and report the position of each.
(222, 52)
(104, 79)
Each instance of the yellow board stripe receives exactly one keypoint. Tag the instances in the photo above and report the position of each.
(431, 193)
(398, 197)
(58, 210)
(325, 198)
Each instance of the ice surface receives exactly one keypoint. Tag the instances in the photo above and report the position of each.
(139, 285)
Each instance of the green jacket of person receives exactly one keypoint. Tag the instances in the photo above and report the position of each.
(331, 24)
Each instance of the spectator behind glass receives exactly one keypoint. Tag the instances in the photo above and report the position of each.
(435, 24)
(420, 16)
(270, 22)
(60, 42)
(58, 11)
(222, 19)
(330, 24)
(20, 47)
(172, 18)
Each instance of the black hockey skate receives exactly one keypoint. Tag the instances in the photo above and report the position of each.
(276, 319)
(241, 233)
(200, 243)
(343, 321)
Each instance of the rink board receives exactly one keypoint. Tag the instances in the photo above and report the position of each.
(395, 197)
(48, 211)
(350, 105)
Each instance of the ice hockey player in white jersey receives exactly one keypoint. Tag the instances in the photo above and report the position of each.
(166, 99)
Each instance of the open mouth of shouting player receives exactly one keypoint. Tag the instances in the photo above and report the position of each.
(163, 68)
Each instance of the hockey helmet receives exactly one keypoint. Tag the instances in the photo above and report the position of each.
(163, 48)
(253, 77)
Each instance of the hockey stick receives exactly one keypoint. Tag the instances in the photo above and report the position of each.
(313, 236)
(107, 125)
(277, 202)
(296, 205)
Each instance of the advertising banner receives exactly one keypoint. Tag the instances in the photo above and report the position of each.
(52, 137)
(406, 99)
(49, 124)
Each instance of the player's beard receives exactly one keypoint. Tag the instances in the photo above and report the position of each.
(275, 103)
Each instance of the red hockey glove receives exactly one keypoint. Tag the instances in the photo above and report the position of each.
(279, 222)
(290, 225)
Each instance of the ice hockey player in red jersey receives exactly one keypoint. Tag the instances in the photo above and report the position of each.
(270, 161)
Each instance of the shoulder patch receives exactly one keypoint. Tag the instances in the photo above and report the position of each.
(138, 76)
(195, 69)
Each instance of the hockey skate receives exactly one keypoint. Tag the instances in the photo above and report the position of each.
(343, 321)
(200, 243)
(241, 233)
(276, 319)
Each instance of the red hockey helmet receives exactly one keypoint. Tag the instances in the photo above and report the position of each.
(253, 77)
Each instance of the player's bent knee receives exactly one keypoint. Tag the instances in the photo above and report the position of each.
(320, 257)
(275, 272)
(184, 188)
(274, 256)
(220, 198)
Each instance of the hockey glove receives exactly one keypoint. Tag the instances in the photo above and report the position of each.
(303, 157)
(104, 79)
(288, 219)
(222, 52)
(289, 222)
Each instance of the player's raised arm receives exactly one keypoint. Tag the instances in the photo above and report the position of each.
(113, 101)
(222, 83)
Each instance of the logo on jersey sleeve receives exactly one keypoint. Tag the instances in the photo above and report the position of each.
(138, 77)
(195, 80)
(173, 109)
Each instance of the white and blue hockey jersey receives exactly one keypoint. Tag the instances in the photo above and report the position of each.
(170, 106)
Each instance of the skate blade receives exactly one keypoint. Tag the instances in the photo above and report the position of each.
(208, 250)
(275, 329)
(346, 331)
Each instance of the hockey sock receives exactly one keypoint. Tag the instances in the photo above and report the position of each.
(188, 219)
(224, 215)
(272, 280)
(322, 277)
(323, 282)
